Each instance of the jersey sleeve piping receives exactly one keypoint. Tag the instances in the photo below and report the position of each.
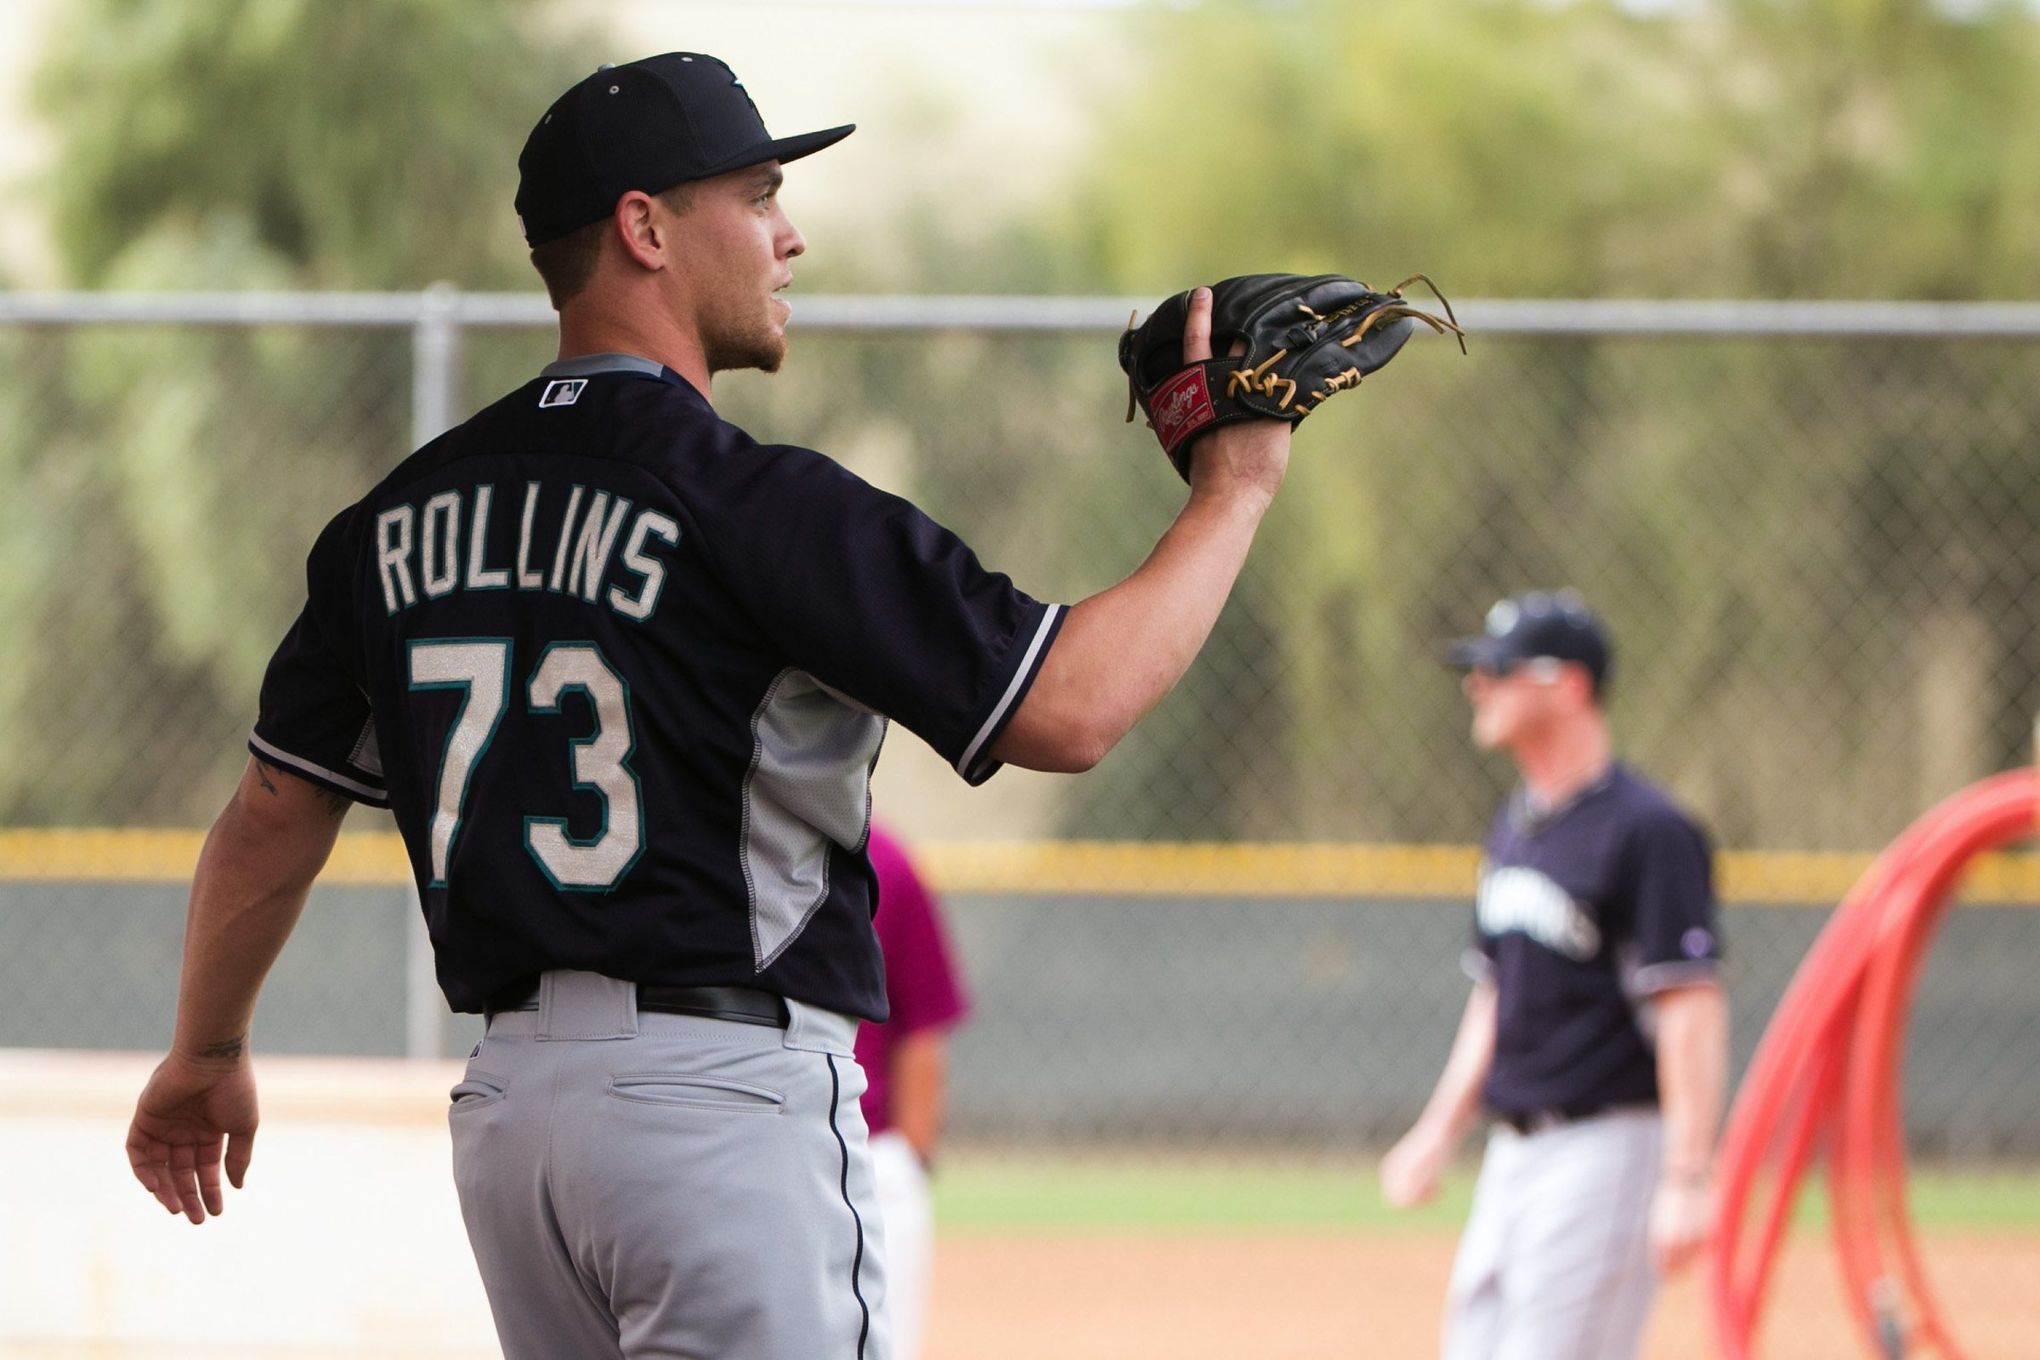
(319, 774)
(973, 765)
(1653, 978)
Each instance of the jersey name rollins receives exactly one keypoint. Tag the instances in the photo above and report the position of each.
(419, 550)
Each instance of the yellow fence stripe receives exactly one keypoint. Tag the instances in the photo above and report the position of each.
(150, 856)
(1140, 868)
(1080, 868)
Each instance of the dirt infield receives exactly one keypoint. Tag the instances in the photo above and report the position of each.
(1291, 1298)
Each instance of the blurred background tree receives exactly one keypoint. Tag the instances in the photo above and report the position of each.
(1718, 500)
(1754, 148)
(242, 144)
(238, 143)
(1518, 148)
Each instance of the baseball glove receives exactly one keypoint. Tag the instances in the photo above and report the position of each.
(1305, 338)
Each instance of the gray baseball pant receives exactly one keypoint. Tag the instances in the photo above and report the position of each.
(1555, 1261)
(642, 1185)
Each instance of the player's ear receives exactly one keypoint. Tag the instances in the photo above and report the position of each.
(641, 229)
(1579, 685)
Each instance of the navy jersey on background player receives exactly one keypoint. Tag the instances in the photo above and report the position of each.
(595, 567)
(1582, 914)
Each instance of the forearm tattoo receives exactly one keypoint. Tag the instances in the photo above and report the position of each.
(225, 1048)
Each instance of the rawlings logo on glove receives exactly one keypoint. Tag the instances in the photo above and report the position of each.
(1182, 404)
(1303, 338)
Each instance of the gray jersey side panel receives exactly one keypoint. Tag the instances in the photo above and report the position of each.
(810, 784)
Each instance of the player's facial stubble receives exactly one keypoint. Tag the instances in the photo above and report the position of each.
(741, 245)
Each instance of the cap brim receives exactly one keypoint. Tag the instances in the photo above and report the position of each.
(1475, 653)
(782, 149)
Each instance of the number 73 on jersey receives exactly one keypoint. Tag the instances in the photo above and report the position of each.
(479, 670)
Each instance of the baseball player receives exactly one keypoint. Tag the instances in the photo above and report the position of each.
(621, 673)
(1596, 1034)
(906, 1063)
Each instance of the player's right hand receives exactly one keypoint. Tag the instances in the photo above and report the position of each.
(1681, 1222)
(1413, 1168)
(1248, 454)
(188, 1115)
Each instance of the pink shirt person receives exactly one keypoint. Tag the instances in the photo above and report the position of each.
(921, 981)
(906, 1062)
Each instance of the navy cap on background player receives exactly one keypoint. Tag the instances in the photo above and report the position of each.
(1554, 624)
(646, 125)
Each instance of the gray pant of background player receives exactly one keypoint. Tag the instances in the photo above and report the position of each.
(1555, 1262)
(641, 1185)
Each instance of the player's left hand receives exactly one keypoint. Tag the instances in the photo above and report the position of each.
(1681, 1220)
(1296, 342)
(187, 1116)
(1254, 453)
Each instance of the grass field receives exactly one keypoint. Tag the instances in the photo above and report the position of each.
(989, 1191)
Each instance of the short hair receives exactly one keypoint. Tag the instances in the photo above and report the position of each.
(566, 263)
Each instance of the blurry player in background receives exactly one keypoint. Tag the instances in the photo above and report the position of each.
(906, 1060)
(1596, 1036)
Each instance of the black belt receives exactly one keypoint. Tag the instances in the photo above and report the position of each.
(1537, 1121)
(745, 1005)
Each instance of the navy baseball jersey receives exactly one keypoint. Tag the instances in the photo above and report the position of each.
(1582, 915)
(622, 673)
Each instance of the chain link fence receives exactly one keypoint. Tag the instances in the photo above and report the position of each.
(1812, 530)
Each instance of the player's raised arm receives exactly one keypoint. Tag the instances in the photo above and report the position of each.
(1123, 649)
(257, 866)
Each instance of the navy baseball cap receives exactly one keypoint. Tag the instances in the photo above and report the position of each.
(1556, 624)
(646, 125)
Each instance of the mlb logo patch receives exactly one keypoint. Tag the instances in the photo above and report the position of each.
(561, 392)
